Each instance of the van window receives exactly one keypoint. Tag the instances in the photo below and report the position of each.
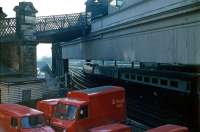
(83, 112)
(14, 123)
(35, 121)
(65, 111)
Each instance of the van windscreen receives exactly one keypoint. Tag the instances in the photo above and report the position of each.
(65, 111)
(35, 121)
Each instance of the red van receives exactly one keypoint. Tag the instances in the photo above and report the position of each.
(100, 109)
(90, 110)
(18, 118)
(48, 107)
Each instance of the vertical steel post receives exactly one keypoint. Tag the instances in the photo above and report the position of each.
(132, 64)
(66, 72)
(115, 63)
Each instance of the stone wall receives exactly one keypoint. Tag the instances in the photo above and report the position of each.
(9, 58)
(20, 56)
(28, 58)
(16, 58)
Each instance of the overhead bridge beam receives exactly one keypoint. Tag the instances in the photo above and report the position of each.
(61, 28)
(170, 36)
(57, 28)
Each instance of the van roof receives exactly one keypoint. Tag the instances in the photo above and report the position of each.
(93, 92)
(72, 101)
(101, 89)
(81, 97)
(18, 110)
(51, 102)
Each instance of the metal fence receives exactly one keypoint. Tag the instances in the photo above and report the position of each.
(7, 29)
(56, 22)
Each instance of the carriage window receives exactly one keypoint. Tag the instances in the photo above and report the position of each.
(14, 122)
(116, 3)
(163, 82)
(139, 78)
(154, 80)
(127, 76)
(174, 84)
(188, 86)
(146, 79)
(83, 112)
(133, 77)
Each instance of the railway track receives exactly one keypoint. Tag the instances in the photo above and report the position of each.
(137, 109)
(83, 81)
(80, 80)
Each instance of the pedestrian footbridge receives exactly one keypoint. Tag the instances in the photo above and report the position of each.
(46, 29)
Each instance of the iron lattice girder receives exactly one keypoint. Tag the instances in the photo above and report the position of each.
(56, 22)
(7, 29)
(46, 24)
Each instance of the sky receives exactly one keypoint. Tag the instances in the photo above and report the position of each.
(45, 8)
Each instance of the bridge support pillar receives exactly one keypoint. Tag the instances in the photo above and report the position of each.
(57, 64)
(66, 72)
(57, 61)
(25, 31)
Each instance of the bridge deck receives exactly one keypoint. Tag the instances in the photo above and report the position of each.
(55, 28)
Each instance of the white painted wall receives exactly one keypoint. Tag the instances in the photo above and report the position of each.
(137, 11)
(166, 38)
(13, 93)
(126, 4)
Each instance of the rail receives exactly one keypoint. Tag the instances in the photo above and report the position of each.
(79, 79)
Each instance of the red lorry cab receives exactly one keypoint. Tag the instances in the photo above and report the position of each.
(48, 107)
(17, 118)
(169, 128)
(86, 109)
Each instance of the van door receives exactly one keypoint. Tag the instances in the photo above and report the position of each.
(14, 125)
(83, 121)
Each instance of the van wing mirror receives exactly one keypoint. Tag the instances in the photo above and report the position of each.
(83, 112)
